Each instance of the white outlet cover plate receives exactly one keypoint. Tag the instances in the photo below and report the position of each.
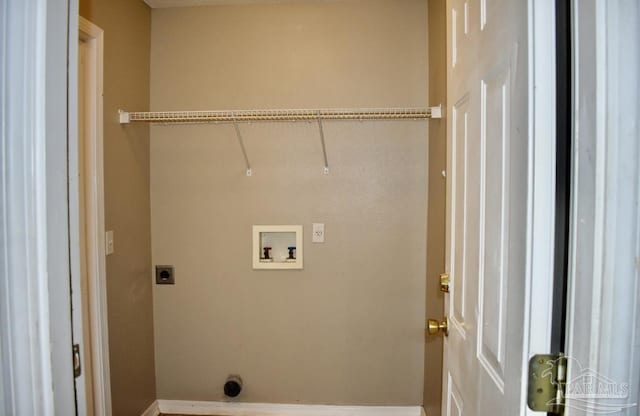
(317, 236)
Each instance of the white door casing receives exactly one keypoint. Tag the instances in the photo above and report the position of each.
(36, 376)
(87, 228)
(493, 185)
(603, 325)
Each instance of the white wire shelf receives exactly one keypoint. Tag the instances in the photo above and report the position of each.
(247, 116)
(237, 116)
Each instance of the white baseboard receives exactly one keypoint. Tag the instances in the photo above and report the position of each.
(423, 412)
(152, 410)
(268, 409)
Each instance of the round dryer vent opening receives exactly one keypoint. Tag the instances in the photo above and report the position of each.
(233, 386)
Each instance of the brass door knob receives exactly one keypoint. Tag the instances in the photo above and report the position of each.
(433, 326)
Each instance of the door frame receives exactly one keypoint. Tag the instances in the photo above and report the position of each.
(36, 371)
(542, 186)
(604, 282)
(94, 218)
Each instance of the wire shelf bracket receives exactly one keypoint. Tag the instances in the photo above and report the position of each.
(247, 116)
(249, 171)
(324, 147)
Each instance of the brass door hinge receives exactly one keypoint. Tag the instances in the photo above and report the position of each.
(547, 383)
(77, 367)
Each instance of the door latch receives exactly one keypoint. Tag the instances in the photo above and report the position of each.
(444, 282)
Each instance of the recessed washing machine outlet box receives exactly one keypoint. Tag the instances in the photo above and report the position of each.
(277, 247)
(165, 275)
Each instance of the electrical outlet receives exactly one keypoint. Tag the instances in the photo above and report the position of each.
(317, 235)
(165, 275)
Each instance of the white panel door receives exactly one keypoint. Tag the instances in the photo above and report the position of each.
(487, 183)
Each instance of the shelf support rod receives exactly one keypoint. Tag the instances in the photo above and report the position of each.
(244, 150)
(324, 147)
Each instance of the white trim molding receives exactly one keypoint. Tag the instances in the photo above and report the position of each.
(36, 371)
(152, 410)
(25, 345)
(94, 221)
(269, 409)
(541, 188)
(603, 308)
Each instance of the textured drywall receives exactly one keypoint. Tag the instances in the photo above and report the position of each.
(126, 25)
(348, 328)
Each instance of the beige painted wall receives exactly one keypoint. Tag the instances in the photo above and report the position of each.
(126, 25)
(348, 329)
(437, 205)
